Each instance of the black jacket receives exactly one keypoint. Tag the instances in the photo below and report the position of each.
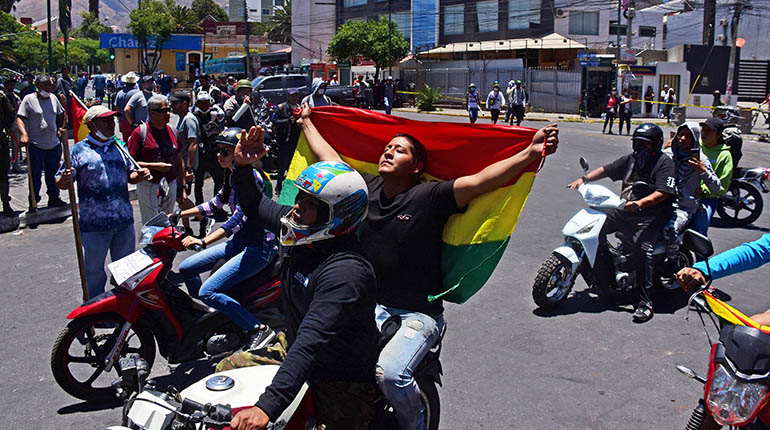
(328, 294)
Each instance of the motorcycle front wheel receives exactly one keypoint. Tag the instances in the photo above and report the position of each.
(430, 401)
(79, 354)
(742, 204)
(552, 283)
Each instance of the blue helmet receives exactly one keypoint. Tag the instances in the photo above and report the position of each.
(345, 202)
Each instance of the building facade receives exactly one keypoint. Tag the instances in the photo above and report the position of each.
(258, 10)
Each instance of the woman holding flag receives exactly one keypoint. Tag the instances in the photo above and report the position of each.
(402, 236)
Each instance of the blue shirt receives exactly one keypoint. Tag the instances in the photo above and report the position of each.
(739, 259)
(99, 82)
(102, 176)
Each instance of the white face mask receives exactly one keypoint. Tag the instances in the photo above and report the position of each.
(44, 94)
(103, 136)
(204, 111)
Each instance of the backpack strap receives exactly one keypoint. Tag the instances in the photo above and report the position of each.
(143, 133)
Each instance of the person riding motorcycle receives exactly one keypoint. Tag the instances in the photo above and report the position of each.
(645, 213)
(743, 257)
(402, 236)
(328, 292)
(714, 148)
(692, 169)
(248, 251)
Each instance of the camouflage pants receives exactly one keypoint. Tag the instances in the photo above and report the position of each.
(340, 405)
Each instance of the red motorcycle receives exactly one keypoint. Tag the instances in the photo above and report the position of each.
(144, 307)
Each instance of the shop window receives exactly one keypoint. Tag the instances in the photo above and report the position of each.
(614, 28)
(645, 31)
(353, 3)
(454, 19)
(486, 16)
(584, 22)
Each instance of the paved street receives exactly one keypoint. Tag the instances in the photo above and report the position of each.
(506, 364)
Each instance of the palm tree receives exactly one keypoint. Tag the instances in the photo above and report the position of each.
(278, 27)
(185, 19)
(93, 7)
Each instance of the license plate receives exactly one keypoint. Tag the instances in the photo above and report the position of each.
(129, 266)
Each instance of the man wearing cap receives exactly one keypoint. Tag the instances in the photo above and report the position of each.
(100, 83)
(495, 102)
(81, 85)
(102, 172)
(63, 87)
(210, 118)
(472, 102)
(663, 98)
(136, 108)
(214, 92)
(241, 96)
(517, 99)
(121, 100)
(41, 122)
(362, 93)
(287, 134)
(718, 154)
(389, 95)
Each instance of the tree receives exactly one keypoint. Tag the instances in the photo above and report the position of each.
(93, 8)
(32, 53)
(93, 55)
(90, 27)
(8, 26)
(152, 26)
(278, 27)
(376, 40)
(204, 8)
(185, 19)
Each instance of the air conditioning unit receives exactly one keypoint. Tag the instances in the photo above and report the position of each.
(561, 13)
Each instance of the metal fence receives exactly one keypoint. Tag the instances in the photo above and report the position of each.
(550, 89)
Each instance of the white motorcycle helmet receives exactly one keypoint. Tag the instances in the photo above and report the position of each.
(345, 202)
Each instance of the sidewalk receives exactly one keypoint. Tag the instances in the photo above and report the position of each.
(537, 116)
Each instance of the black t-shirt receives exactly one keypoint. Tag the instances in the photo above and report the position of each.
(402, 238)
(661, 178)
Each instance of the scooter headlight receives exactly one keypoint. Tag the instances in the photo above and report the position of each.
(732, 401)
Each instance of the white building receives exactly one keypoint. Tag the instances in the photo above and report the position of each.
(259, 10)
(596, 25)
(313, 25)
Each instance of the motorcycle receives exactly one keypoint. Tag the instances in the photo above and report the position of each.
(145, 307)
(581, 252)
(239, 389)
(737, 386)
(265, 114)
(743, 204)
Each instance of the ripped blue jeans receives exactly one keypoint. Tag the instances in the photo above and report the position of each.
(418, 333)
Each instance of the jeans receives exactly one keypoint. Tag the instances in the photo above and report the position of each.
(473, 113)
(673, 229)
(417, 334)
(388, 105)
(206, 164)
(44, 160)
(242, 263)
(609, 117)
(150, 203)
(702, 217)
(120, 242)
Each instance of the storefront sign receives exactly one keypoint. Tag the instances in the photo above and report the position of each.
(628, 56)
(643, 70)
(127, 41)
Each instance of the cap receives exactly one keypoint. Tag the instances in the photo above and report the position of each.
(293, 91)
(665, 86)
(98, 111)
(715, 124)
(202, 96)
(518, 81)
(472, 85)
(243, 83)
(160, 71)
(717, 92)
(230, 77)
(203, 76)
(180, 96)
(147, 78)
(390, 78)
(130, 78)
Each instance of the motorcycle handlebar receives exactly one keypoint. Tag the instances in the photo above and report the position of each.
(213, 416)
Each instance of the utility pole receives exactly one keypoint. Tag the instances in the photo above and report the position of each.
(390, 60)
(50, 36)
(739, 5)
(617, 56)
(630, 13)
(248, 31)
(709, 21)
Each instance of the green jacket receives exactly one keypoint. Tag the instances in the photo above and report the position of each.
(722, 162)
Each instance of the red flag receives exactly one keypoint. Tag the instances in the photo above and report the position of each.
(78, 113)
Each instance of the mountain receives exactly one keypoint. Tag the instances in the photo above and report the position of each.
(115, 11)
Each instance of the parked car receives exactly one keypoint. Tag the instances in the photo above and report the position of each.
(274, 89)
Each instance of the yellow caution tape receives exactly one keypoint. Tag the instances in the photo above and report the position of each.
(688, 105)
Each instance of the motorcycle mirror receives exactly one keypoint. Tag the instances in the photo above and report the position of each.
(699, 243)
(584, 164)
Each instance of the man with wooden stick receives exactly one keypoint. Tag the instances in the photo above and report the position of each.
(102, 171)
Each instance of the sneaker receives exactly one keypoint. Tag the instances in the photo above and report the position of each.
(643, 313)
(207, 224)
(55, 202)
(260, 338)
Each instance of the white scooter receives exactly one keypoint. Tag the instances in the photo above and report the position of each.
(579, 252)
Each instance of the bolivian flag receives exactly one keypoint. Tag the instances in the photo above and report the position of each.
(78, 113)
(474, 240)
(730, 315)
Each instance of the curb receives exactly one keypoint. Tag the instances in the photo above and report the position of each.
(528, 118)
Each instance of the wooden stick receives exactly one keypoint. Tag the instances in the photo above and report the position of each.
(32, 200)
(75, 220)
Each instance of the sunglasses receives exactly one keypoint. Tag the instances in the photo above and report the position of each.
(163, 110)
(224, 152)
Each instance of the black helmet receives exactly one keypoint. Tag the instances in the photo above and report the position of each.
(651, 133)
(229, 136)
